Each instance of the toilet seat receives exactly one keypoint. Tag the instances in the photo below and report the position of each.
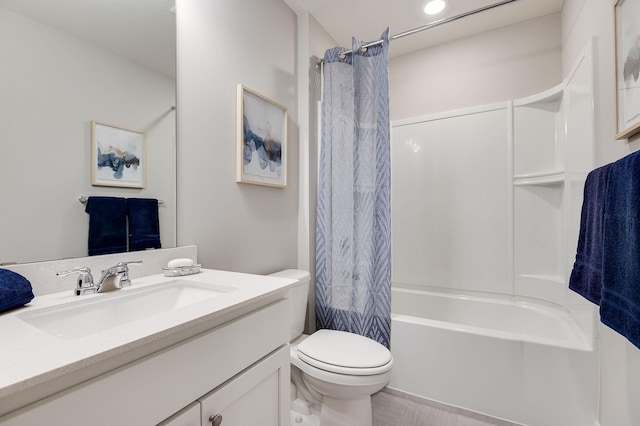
(345, 353)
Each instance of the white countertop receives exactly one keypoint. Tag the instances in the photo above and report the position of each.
(31, 357)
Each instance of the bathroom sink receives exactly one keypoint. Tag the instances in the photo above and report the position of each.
(114, 309)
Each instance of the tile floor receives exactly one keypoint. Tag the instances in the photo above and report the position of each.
(393, 408)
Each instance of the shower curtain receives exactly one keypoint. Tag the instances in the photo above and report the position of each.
(353, 233)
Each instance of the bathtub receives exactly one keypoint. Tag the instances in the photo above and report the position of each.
(522, 361)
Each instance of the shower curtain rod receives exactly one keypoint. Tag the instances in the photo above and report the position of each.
(433, 24)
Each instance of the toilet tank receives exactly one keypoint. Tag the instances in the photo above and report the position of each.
(299, 296)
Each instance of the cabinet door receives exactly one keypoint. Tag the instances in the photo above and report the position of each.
(257, 396)
(188, 416)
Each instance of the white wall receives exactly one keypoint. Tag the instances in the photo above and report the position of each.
(619, 360)
(236, 226)
(507, 63)
(320, 40)
(52, 86)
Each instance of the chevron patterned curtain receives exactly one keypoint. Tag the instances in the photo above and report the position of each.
(353, 234)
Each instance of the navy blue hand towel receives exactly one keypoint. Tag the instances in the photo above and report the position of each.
(144, 224)
(107, 225)
(586, 276)
(620, 301)
(15, 290)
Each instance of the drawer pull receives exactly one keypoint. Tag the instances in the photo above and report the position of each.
(216, 419)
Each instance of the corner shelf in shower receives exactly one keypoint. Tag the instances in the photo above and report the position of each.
(538, 135)
(538, 195)
(543, 178)
(538, 238)
(553, 148)
(549, 278)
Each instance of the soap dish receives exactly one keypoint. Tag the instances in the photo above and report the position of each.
(181, 270)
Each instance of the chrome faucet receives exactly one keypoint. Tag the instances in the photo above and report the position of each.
(86, 284)
(85, 280)
(122, 269)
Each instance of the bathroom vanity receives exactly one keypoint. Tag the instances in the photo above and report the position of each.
(209, 348)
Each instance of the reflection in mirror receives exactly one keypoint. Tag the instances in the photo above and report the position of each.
(66, 63)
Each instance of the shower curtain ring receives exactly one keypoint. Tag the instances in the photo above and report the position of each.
(363, 49)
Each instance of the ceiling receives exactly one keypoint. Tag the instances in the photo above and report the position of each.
(366, 19)
(144, 30)
(141, 30)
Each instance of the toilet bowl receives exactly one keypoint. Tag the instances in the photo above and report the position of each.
(334, 370)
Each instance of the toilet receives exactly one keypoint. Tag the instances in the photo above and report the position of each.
(333, 373)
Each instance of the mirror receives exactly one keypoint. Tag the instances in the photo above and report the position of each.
(65, 64)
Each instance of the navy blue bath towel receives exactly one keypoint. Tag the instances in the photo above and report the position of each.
(144, 224)
(620, 301)
(586, 276)
(15, 290)
(107, 225)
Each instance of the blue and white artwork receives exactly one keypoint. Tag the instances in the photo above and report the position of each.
(118, 157)
(262, 138)
(627, 24)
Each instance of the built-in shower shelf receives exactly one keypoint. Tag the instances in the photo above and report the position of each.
(545, 178)
(539, 196)
(547, 278)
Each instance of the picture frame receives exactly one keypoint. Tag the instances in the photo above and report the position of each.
(627, 67)
(118, 156)
(261, 140)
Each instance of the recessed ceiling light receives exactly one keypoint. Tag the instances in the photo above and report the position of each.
(434, 7)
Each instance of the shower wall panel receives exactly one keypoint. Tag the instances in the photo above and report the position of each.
(452, 200)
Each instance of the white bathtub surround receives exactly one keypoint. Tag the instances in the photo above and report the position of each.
(486, 202)
(515, 360)
(487, 199)
(451, 200)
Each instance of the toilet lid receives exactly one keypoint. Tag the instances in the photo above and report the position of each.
(344, 353)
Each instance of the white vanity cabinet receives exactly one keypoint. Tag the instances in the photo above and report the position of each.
(238, 368)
